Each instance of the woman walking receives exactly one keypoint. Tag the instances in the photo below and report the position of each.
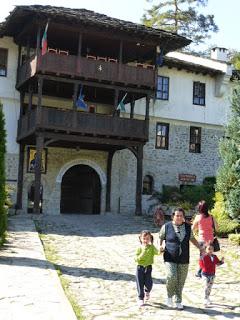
(204, 224)
(176, 235)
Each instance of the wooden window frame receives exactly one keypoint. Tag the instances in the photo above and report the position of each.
(162, 91)
(150, 185)
(199, 97)
(195, 140)
(6, 63)
(161, 136)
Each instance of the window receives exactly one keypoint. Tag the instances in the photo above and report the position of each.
(3, 62)
(162, 135)
(195, 140)
(162, 88)
(148, 185)
(199, 93)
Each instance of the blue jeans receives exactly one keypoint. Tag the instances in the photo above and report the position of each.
(144, 280)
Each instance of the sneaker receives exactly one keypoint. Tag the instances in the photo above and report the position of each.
(169, 302)
(140, 303)
(198, 275)
(147, 296)
(179, 306)
(207, 302)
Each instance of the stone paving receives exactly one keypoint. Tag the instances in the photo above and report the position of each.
(29, 286)
(96, 255)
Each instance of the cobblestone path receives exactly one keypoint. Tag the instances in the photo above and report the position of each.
(96, 255)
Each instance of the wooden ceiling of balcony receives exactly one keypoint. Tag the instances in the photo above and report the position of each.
(25, 18)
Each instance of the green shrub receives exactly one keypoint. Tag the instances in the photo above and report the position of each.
(225, 224)
(234, 238)
(194, 194)
(171, 194)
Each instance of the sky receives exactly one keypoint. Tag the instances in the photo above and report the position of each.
(226, 14)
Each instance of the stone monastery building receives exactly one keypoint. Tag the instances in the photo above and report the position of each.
(101, 112)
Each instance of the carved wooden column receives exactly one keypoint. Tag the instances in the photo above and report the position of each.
(37, 172)
(139, 156)
(109, 172)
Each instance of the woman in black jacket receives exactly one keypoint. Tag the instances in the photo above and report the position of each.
(176, 235)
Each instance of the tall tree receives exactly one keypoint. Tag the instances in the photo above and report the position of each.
(228, 177)
(3, 218)
(181, 17)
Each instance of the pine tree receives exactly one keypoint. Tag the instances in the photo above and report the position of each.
(3, 218)
(181, 17)
(228, 178)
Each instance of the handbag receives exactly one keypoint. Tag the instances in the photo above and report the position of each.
(216, 244)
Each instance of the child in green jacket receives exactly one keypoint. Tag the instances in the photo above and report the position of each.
(144, 258)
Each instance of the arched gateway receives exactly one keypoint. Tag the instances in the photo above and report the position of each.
(80, 190)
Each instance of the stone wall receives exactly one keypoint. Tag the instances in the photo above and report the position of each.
(58, 162)
(165, 165)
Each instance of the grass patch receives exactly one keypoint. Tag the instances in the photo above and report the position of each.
(52, 257)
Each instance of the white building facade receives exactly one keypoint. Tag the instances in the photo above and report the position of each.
(187, 119)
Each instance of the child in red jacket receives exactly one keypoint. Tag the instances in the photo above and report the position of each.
(208, 263)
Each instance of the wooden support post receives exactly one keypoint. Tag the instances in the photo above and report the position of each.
(132, 108)
(147, 114)
(109, 172)
(39, 102)
(79, 45)
(139, 155)
(38, 48)
(121, 52)
(75, 92)
(19, 61)
(28, 49)
(37, 172)
(116, 95)
(20, 176)
(30, 97)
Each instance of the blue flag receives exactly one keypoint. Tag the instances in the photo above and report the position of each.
(80, 103)
(159, 60)
(121, 105)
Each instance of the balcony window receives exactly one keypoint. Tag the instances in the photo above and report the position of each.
(148, 184)
(199, 93)
(195, 140)
(3, 62)
(162, 136)
(162, 88)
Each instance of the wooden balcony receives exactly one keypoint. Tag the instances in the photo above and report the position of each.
(71, 122)
(84, 68)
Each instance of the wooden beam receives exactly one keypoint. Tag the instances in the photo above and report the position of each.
(92, 140)
(37, 172)
(20, 176)
(108, 187)
(98, 85)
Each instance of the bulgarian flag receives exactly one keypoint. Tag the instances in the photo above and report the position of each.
(44, 40)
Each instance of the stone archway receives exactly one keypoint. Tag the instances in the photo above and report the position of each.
(56, 198)
(80, 191)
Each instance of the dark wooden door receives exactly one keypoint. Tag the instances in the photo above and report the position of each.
(80, 191)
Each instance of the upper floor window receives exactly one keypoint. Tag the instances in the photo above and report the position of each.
(162, 88)
(148, 184)
(162, 135)
(3, 62)
(199, 93)
(195, 140)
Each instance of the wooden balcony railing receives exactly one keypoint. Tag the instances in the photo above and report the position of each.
(81, 67)
(75, 122)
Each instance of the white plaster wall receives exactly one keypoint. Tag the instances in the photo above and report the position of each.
(180, 104)
(9, 96)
